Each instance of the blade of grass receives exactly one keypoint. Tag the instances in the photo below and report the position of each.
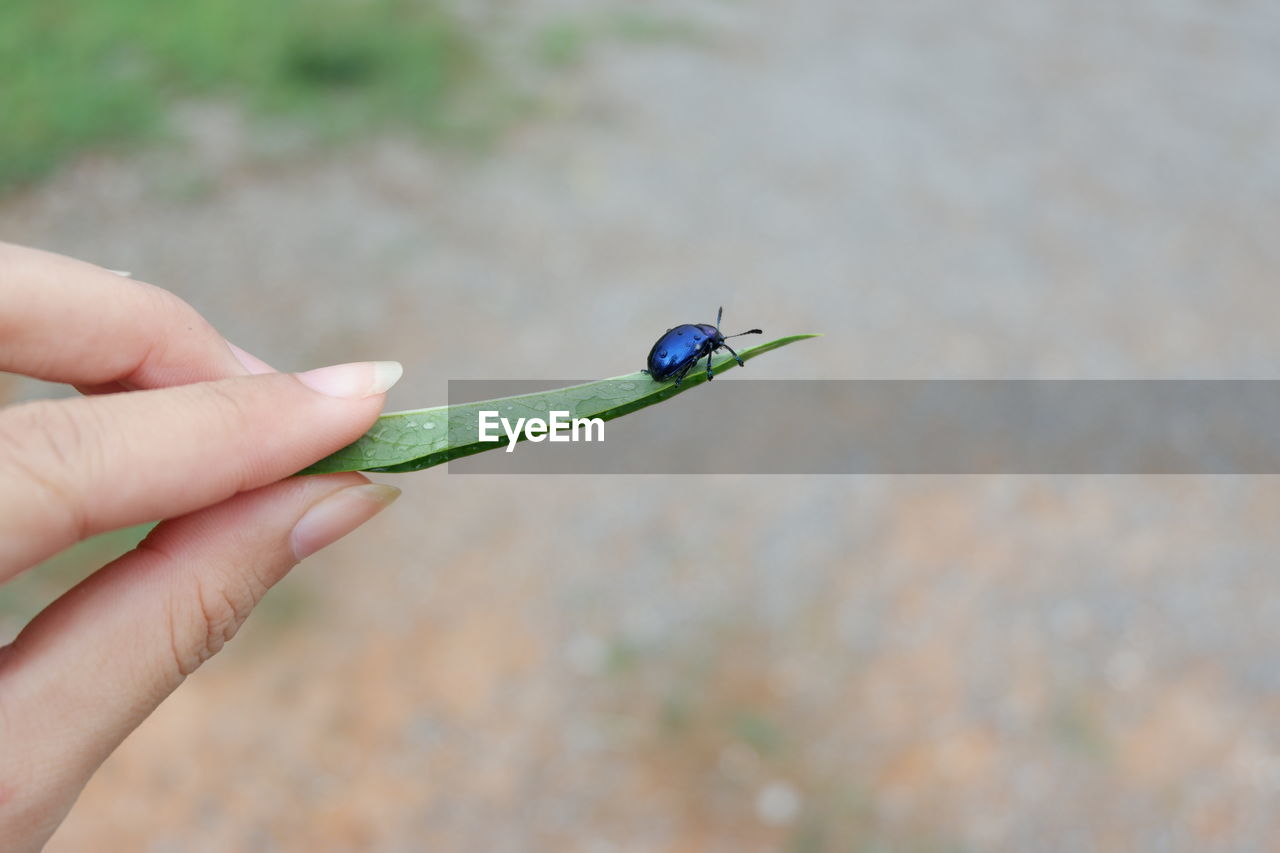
(421, 438)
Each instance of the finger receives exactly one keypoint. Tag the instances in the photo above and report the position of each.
(94, 664)
(65, 320)
(250, 363)
(72, 468)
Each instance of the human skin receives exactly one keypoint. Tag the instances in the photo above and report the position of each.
(173, 424)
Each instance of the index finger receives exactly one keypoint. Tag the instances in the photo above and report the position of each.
(65, 320)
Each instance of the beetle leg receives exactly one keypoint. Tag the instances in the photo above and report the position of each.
(741, 363)
(685, 372)
(710, 375)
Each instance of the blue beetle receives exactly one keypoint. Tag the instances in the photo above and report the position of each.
(677, 351)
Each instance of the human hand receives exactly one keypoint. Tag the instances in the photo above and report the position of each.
(204, 439)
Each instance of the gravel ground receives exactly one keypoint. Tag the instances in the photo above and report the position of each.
(1054, 189)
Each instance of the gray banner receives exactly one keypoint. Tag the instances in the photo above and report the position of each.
(744, 426)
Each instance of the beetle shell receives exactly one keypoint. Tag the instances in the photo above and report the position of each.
(680, 347)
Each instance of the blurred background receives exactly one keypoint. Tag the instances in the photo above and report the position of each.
(1057, 188)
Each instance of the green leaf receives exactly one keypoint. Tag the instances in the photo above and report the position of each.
(421, 438)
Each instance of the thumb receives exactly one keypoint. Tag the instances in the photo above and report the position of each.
(94, 664)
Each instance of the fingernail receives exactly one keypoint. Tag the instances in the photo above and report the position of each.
(251, 363)
(337, 515)
(124, 273)
(354, 381)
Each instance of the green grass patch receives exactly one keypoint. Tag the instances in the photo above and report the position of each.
(562, 43)
(81, 75)
(566, 41)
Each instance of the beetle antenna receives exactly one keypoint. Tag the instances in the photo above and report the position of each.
(748, 332)
(719, 314)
